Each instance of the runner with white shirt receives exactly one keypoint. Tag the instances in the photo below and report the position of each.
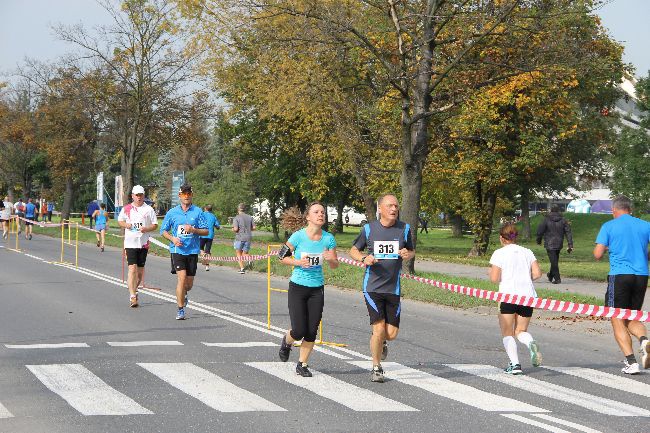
(514, 268)
(137, 219)
(5, 216)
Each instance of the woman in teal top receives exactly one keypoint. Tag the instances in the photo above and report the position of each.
(101, 223)
(311, 247)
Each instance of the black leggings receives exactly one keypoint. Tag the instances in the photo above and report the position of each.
(305, 310)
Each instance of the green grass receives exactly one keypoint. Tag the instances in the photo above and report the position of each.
(350, 277)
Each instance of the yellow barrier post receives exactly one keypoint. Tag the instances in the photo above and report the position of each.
(17, 234)
(270, 289)
(76, 248)
(62, 237)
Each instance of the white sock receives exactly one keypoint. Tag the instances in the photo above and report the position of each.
(525, 338)
(511, 349)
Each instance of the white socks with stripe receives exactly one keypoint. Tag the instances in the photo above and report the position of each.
(511, 349)
(525, 338)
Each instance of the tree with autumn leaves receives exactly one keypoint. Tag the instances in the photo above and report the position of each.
(409, 71)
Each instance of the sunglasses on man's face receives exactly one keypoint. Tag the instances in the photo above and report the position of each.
(185, 194)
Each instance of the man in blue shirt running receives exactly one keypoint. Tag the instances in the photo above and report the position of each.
(626, 238)
(206, 241)
(182, 226)
(30, 214)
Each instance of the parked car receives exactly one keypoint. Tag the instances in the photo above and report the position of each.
(350, 216)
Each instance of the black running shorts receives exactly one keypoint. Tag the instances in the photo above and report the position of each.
(520, 310)
(136, 256)
(626, 291)
(205, 245)
(383, 306)
(186, 263)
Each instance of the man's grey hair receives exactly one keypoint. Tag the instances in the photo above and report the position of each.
(383, 196)
(241, 207)
(622, 202)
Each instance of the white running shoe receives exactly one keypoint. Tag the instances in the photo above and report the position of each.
(630, 368)
(644, 353)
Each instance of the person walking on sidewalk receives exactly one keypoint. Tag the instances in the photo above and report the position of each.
(90, 211)
(137, 219)
(243, 227)
(388, 242)
(101, 225)
(182, 227)
(206, 241)
(311, 248)
(626, 238)
(514, 268)
(554, 228)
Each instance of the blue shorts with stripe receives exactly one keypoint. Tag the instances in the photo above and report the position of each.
(383, 306)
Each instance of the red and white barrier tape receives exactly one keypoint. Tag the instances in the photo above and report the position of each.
(540, 303)
(528, 301)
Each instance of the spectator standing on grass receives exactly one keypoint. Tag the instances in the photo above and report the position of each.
(554, 228)
(50, 209)
(92, 207)
(243, 227)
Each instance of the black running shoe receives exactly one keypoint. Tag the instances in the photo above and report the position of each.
(303, 370)
(285, 350)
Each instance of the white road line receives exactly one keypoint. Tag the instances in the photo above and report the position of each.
(354, 353)
(84, 391)
(34, 257)
(606, 379)
(532, 422)
(560, 421)
(143, 343)
(550, 390)
(226, 315)
(4, 412)
(449, 389)
(351, 396)
(244, 344)
(45, 346)
(209, 388)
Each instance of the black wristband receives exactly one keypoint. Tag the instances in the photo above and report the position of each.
(363, 259)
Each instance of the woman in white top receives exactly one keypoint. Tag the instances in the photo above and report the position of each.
(514, 268)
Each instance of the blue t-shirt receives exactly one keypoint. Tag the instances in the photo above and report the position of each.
(627, 238)
(312, 276)
(212, 222)
(173, 223)
(101, 218)
(30, 210)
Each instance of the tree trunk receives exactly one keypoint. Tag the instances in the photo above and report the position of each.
(525, 213)
(456, 225)
(274, 221)
(483, 229)
(68, 196)
(339, 212)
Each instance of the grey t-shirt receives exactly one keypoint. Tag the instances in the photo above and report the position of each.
(384, 276)
(244, 223)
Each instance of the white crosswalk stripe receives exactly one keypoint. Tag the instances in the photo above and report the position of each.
(553, 391)
(4, 412)
(244, 344)
(84, 391)
(606, 379)
(209, 388)
(449, 389)
(351, 396)
(532, 422)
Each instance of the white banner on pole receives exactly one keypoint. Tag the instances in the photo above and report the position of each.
(100, 187)
(118, 191)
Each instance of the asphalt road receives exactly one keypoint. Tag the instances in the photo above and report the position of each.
(75, 358)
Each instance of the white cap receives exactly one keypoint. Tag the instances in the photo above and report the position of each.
(138, 189)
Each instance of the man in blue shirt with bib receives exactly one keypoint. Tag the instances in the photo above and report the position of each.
(182, 226)
(626, 238)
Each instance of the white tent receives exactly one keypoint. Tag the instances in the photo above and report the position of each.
(579, 206)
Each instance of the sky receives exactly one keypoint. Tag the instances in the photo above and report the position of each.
(25, 28)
